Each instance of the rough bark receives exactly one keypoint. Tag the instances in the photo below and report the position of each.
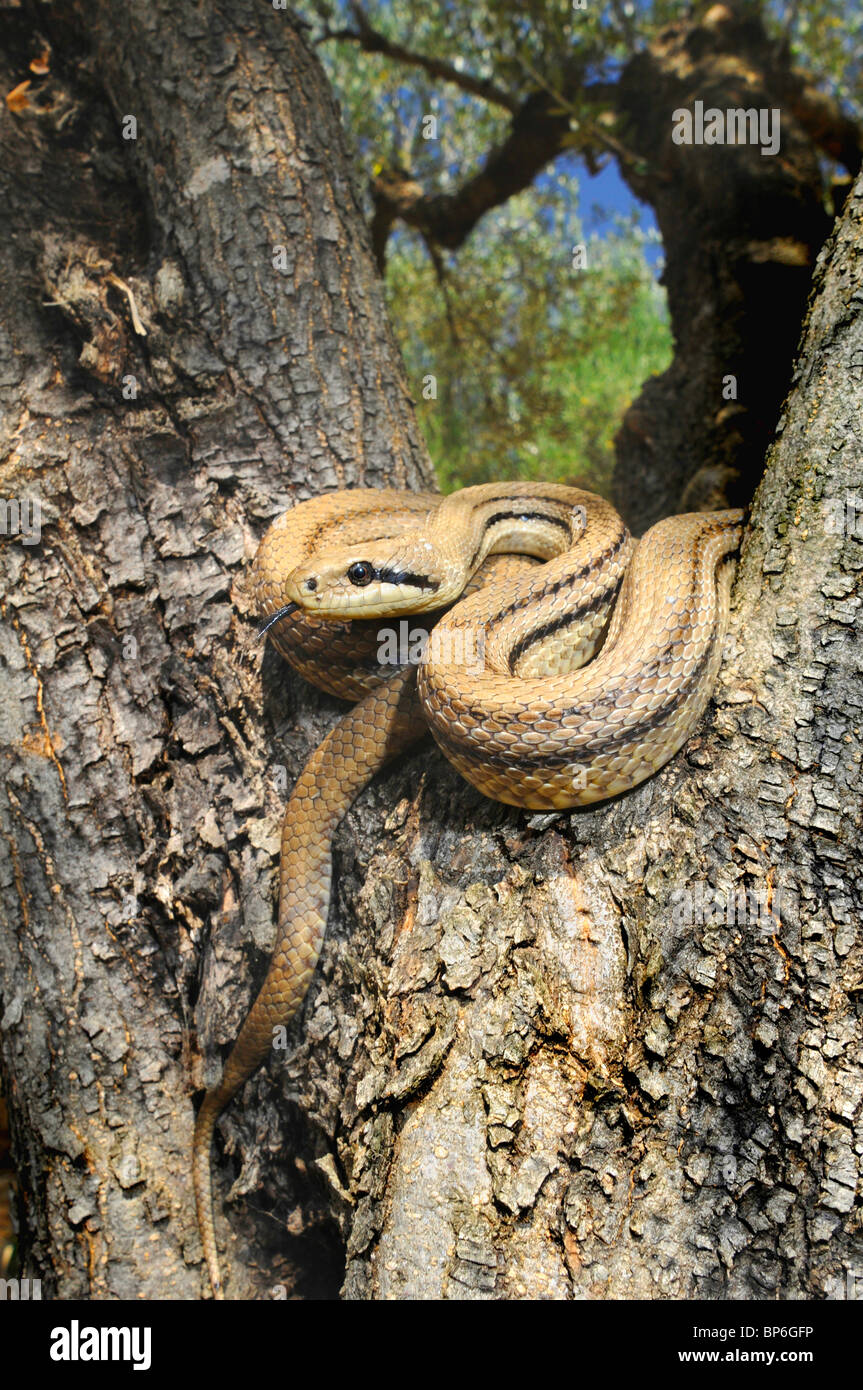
(575, 1091)
(518, 1072)
(142, 794)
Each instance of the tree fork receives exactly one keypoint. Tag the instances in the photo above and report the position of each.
(521, 1070)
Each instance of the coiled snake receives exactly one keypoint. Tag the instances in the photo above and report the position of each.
(507, 685)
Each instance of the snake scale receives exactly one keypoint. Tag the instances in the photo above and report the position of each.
(548, 685)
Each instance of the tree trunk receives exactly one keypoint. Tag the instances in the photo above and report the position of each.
(621, 1053)
(530, 1063)
(143, 791)
(741, 230)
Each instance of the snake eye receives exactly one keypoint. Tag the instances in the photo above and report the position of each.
(361, 573)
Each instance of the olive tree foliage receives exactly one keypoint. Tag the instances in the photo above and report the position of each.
(527, 338)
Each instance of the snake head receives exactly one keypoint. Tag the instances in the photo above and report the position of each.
(369, 581)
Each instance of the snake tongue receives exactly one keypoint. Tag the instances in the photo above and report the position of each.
(277, 617)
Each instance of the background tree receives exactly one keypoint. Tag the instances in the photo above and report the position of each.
(521, 1071)
(524, 102)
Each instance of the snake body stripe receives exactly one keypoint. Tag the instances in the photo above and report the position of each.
(499, 517)
(540, 721)
(611, 723)
(548, 587)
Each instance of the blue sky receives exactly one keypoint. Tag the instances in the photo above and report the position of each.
(605, 195)
(604, 199)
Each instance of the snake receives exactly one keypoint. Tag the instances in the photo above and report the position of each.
(560, 662)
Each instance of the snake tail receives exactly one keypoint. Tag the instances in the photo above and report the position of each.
(382, 725)
(574, 664)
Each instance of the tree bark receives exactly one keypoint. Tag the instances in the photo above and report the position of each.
(521, 1071)
(141, 807)
(602, 1072)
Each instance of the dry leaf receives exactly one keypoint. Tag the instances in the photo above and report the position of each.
(42, 64)
(17, 99)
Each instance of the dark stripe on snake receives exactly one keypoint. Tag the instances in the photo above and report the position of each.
(518, 516)
(483, 754)
(557, 625)
(416, 581)
(548, 590)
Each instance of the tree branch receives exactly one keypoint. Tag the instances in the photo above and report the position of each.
(540, 131)
(826, 124)
(371, 40)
